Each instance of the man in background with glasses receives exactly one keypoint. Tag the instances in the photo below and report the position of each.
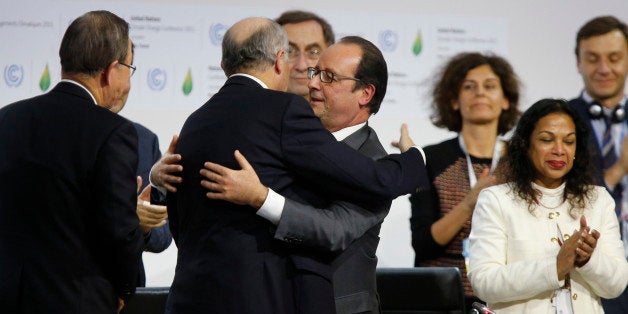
(308, 36)
(346, 87)
(70, 240)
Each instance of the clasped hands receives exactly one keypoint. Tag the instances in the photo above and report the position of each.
(577, 250)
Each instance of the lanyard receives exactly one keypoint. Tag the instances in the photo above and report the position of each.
(496, 155)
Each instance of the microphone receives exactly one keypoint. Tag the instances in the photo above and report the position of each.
(479, 308)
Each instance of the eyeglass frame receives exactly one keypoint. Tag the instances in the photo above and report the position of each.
(294, 54)
(130, 66)
(312, 71)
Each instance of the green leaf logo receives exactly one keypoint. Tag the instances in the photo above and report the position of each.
(187, 83)
(44, 82)
(418, 44)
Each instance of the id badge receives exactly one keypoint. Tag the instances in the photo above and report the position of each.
(562, 301)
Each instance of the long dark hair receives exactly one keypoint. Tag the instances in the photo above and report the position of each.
(521, 172)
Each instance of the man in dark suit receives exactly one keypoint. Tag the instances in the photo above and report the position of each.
(153, 217)
(228, 262)
(349, 231)
(602, 59)
(69, 235)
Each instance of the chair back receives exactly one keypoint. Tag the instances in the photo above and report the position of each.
(421, 290)
(147, 300)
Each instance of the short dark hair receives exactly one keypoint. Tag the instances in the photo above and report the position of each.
(258, 51)
(297, 16)
(452, 75)
(521, 172)
(599, 26)
(92, 42)
(372, 69)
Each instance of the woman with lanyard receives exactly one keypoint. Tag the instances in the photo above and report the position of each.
(477, 96)
(548, 240)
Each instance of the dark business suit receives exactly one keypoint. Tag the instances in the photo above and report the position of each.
(583, 109)
(69, 235)
(619, 304)
(228, 261)
(351, 231)
(148, 154)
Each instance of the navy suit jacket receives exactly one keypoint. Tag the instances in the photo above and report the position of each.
(69, 235)
(228, 261)
(583, 109)
(148, 154)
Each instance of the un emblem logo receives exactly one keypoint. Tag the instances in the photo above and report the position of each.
(13, 75)
(216, 32)
(388, 40)
(156, 79)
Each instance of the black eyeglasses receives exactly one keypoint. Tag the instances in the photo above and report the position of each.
(327, 76)
(294, 54)
(132, 67)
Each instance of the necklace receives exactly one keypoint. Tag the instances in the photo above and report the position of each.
(538, 202)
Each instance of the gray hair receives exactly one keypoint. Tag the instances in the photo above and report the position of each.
(256, 52)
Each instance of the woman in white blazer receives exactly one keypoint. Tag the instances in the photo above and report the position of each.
(548, 240)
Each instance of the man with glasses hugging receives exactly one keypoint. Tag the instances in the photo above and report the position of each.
(346, 87)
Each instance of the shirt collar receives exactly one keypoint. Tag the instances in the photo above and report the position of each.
(588, 99)
(251, 77)
(344, 133)
(339, 135)
(81, 86)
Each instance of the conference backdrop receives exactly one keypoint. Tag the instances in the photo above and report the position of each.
(177, 54)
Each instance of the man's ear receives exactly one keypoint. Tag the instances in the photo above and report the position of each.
(106, 75)
(280, 62)
(368, 92)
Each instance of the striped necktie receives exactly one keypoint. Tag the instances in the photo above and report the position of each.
(609, 157)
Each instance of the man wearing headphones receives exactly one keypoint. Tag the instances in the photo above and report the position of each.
(602, 59)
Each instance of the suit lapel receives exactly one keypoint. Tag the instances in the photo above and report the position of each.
(357, 138)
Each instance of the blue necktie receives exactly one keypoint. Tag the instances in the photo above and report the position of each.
(609, 157)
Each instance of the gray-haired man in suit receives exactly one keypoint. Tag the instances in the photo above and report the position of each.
(346, 87)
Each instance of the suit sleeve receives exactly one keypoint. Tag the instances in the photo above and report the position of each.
(159, 238)
(330, 229)
(118, 232)
(342, 172)
(425, 212)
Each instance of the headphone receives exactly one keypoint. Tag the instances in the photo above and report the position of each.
(596, 112)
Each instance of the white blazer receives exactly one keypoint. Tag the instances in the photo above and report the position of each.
(513, 252)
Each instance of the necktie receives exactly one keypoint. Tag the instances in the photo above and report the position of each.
(609, 157)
